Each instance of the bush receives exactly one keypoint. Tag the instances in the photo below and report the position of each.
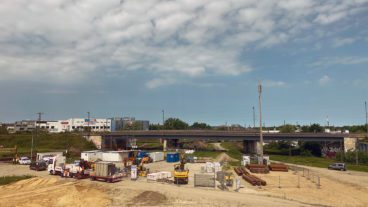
(350, 157)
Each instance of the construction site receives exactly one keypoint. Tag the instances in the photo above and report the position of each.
(139, 178)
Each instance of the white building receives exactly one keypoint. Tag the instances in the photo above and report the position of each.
(96, 125)
(74, 124)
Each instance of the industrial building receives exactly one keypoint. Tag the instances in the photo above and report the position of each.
(69, 125)
(128, 123)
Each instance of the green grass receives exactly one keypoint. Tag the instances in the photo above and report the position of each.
(212, 154)
(315, 162)
(234, 151)
(46, 142)
(11, 179)
(149, 145)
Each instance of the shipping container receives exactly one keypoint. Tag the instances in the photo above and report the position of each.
(156, 156)
(115, 156)
(91, 156)
(104, 169)
(172, 157)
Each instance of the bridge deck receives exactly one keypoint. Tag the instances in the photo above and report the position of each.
(224, 135)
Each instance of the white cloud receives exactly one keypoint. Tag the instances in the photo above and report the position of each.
(338, 42)
(325, 80)
(65, 41)
(350, 60)
(273, 84)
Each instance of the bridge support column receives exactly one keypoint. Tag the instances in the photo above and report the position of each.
(250, 147)
(173, 143)
(164, 143)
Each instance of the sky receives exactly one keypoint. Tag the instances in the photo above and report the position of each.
(196, 60)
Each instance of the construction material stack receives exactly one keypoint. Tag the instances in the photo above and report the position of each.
(251, 179)
(256, 168)
(278, 167)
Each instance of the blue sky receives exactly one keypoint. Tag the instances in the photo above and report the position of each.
(198, 60)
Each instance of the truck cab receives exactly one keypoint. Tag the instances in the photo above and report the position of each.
(56, 165)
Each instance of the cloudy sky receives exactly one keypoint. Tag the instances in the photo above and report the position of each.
(198, 60)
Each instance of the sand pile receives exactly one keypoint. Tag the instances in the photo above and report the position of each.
(51, 192)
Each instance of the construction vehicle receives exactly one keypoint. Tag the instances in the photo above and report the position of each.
(181, 175)
(11, 151)
(143, 171)
(79, 169)
(229, 179)
(56, 165)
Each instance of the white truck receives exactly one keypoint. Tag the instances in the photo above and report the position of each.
(56, 165)
(79, 169)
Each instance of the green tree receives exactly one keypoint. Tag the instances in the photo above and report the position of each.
(155, 127)
(3, 130)
(197, 125)
(175, 123)
(315, 128)
(288, 128)
(313, 148)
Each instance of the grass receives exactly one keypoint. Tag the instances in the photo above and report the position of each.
(315, 162)
(74, 143)
(233, 150)
(212, 154)
(149, 145)
(12, 179)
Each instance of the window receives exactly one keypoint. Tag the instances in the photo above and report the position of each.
(52, 127)
(47, 127)
(73, 127)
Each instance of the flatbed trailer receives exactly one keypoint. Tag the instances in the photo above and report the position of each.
(109, 179)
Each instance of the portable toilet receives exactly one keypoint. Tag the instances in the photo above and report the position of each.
(172, 157)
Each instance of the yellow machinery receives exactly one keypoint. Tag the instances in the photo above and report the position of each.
(181, 174)
(142, 171)
(229, 179)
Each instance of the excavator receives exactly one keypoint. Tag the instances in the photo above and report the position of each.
(143, 171)
(181, 174)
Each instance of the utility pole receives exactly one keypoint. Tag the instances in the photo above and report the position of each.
(88, 120)
(254, 118)
(366, 117)
(260, 122)
(328, 122)
(163, 118)
(37, 128)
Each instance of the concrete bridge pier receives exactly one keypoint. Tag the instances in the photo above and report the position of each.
(173, 143)
(164, 144)
(250, 147)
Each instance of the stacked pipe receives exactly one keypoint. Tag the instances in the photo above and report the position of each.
(238, 171)
(256, 168)
(253, 180)
(278, 167)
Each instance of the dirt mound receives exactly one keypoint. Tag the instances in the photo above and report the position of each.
(223, 157)
(148, 198)
(51, 192)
